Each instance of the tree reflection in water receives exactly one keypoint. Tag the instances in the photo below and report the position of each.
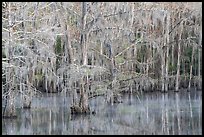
(169, 113)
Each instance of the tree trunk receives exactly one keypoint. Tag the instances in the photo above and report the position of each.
(199, 57)
(68, 43)
(132, 14)
(163, 70)
(178, 60)
(191, 68)
(83, 106)
(27, 97)
(83, 34)
(178, 69)
(163, 49)
(9, 110)
(83, 96)
(68, 48)
(167, 52)
(83, 103)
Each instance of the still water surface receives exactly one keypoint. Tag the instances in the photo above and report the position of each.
(153, 113)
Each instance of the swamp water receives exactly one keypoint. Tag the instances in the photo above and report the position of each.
(151, 113)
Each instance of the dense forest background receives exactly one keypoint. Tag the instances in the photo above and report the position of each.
(89, 49)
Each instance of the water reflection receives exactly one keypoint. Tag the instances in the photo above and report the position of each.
(156, 113)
